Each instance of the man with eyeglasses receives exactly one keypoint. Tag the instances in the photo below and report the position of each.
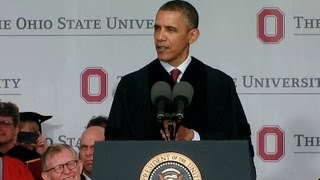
(9, 121)
(86, 149)
(60, 161)
(9, 128)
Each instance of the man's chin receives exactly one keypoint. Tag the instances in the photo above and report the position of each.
(87, 167)
(88, 172)
(164, 59)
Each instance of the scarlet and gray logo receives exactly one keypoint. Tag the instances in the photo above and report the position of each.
(267, 151)
(98, 93)
(270, 25)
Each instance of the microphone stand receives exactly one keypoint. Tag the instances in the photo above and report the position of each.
(170, 126)
(171, 130)
(178, 120)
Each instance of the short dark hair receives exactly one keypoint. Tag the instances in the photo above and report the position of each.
(10, 109)
(186, 8)
(98, 121)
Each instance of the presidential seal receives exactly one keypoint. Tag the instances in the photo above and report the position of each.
(170, 166)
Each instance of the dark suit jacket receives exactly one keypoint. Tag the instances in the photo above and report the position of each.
(82, 177)
(215, 111)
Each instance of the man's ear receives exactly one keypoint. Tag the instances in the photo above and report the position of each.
(194, 35)
(44, 175)
(16, 131)
(80, 166)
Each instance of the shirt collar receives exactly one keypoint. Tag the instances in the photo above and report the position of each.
(86, 176)
(182, 67)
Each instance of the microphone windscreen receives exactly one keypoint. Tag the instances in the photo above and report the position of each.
(183, 89)
(160, 89)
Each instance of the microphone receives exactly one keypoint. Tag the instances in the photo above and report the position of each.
(160, 97)
(182, 94)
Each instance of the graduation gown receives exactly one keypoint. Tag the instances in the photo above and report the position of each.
(13, 169)
(215, 111)
(30, 158)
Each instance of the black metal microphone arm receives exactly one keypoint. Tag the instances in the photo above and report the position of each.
(172, 118)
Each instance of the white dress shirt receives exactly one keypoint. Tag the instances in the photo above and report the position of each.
(86, 176)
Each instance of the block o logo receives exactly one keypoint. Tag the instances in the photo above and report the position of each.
(270, 143)
(270, 25)
(94, 85)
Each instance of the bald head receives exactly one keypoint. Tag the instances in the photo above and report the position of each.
(87, 140)
(94, 132)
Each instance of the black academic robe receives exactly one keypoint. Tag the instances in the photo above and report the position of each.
(215, 111)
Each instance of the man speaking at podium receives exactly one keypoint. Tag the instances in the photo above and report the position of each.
(215, 111)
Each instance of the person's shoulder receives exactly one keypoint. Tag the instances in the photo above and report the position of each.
(22, 153)
(138, 74)
(142, 69)
(15, 169)
(82, 177)
(217, 73)
(213, 72)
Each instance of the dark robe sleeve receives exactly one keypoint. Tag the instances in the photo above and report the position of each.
(118, 127)
(226, 117)
(131, 112)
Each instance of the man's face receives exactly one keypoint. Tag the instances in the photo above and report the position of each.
(86, 151)
(172, 37)
(62, 158)
(7, 130)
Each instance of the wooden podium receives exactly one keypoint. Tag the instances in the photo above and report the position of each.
(181, 160)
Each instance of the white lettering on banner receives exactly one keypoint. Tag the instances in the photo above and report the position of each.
(9, 83)
(263, 144)
(34, 24)
(263, 82)
(278, 34)
(116, 23)
(64, 23)
(306, 23)
(85, 88)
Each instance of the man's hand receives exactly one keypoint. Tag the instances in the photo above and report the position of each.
(183, 133)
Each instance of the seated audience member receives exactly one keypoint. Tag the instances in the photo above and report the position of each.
(86, 149)
(60, 161)
(98, 121)
(30, 122)
(30, 136)
(9, 122)
(12, 168)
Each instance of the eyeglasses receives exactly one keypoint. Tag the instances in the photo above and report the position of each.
(59, 168)
(5, 123)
